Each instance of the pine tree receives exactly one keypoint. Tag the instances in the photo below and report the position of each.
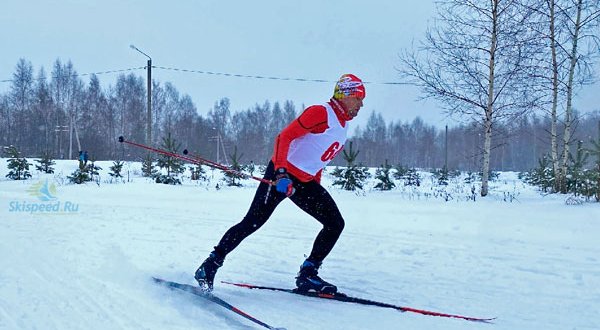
(45, 163)
(79, 176)
(412, 178)
(148, 169)
(94, 171)
(173, 165)
(115, 170)
(594, 174)
(198, 173)
(85, 173)
(442, 176)
(401, 171)
(353, 176)
(383, 175)
(18, 167)
(542, 176)
(250, 168)
(470, 178)
(575, 173)
(232, 178)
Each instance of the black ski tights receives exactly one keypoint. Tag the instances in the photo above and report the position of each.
(309, 196)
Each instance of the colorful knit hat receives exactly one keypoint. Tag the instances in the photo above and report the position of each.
(349, 85)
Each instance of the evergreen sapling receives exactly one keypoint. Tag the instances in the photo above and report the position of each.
(172, 165)
(233, 178)
(383, 175)
(18, 167)
(353, 176)
(46, 163)
(148, 169)
(115, 170)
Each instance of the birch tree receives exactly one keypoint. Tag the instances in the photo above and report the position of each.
(66, 89)
(475, 61)
(582, 18)
(21, 103)
(43, 111)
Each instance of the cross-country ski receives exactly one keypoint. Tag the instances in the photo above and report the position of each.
(345, 298)
(195, 290)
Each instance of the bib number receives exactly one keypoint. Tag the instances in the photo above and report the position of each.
(333, 150)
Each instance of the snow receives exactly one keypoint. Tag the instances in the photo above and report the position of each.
(532, 262)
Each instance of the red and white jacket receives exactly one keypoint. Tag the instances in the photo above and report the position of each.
(311, 141)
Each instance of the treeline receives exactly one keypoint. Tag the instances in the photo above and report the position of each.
(518, 145)
(63, 114)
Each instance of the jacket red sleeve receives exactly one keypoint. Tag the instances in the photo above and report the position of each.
(312, 120)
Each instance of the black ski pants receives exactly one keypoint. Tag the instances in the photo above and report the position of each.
(311, 197)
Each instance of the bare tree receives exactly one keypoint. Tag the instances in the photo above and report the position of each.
(551, 5)
(582, 17)
(475, 60)
(130, 103)
(43, 111)
(93, 128)
(21, 102)
(4, 120)
(66, 89)
(289, 112)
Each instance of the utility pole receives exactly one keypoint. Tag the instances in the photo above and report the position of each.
(218, 141)
(149, 89)
(217, 138)
(446, 150)
(220, 146)
(59, 129)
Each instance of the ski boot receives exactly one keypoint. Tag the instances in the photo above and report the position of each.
(308, 280)
(205, 274)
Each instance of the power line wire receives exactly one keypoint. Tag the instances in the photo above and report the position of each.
(267, 77)
(84, 74)
(225, 74)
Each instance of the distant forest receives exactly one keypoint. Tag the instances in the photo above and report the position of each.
(62, 114)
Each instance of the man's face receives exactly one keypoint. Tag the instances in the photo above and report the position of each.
(352, 106)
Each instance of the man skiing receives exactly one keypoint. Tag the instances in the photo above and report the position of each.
(301, 151)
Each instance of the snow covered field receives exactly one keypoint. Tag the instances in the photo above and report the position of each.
(532, 263)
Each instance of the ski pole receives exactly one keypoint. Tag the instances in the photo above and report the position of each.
(271, 183)
(196, 160)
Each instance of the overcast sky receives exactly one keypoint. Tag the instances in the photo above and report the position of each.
(311, 39)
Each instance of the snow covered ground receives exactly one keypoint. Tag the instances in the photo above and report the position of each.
(533, 263)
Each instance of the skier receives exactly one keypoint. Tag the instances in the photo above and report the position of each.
(301, 151)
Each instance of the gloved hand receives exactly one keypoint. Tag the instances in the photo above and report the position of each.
(283, 183)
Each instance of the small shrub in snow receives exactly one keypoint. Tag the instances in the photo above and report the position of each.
(383, 175)
(148, 169)
(542, 176)
(233, 178)
(400, 171)
(115, 171)
(197, 173)
(173, 166)
(412, 178)
(18, 167)
(45, 163)
(352, 177)
(85, 173)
